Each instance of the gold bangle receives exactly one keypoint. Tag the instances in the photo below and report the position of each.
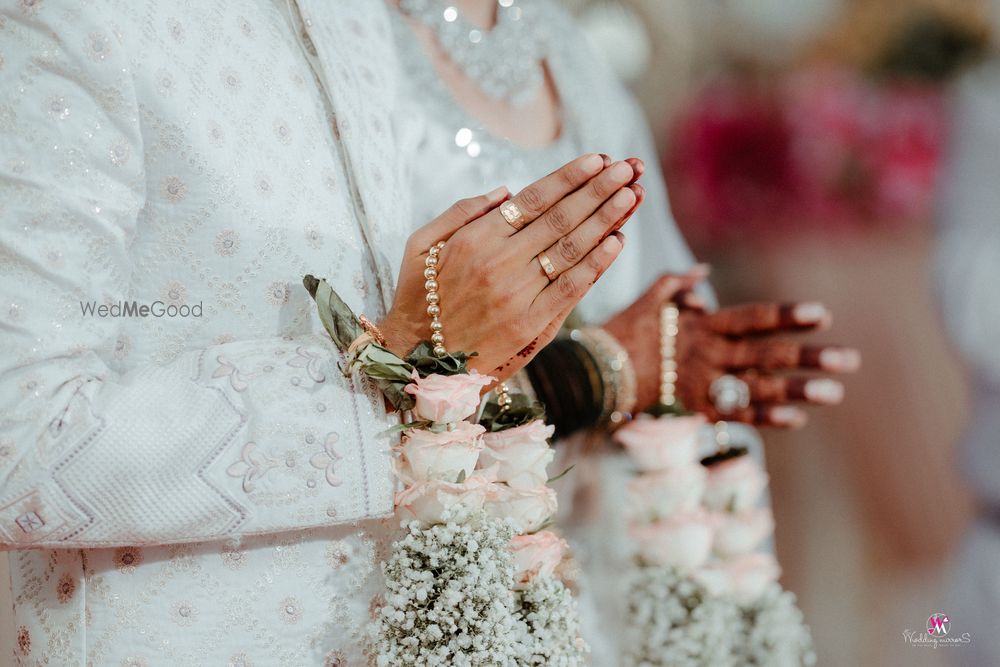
(616, 370)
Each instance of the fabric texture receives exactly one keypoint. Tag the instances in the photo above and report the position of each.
(207, 488)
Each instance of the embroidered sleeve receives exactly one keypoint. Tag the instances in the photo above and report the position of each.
(247, 436)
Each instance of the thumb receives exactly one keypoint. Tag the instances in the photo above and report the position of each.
(668, 286)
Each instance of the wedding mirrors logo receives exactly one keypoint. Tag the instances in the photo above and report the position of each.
(137, 309)
(937, 633)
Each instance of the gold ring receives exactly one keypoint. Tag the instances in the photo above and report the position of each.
(547, 266)
(512, 214)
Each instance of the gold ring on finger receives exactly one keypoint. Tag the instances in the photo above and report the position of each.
(512, 214)
(547, 266)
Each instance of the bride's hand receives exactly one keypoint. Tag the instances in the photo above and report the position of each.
(741, 340)
(495, 298)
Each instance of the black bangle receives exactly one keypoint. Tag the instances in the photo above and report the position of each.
(566, 379)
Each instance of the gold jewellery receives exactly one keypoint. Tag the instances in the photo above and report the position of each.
(434, 299)
(670, 316)
(512, 214)
(547, 266)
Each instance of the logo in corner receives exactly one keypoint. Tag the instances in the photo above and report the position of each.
(938, 624)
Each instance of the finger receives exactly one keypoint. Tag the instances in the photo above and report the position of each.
(778, 354)
(540, 196)
(571, 211)
(638, 166)
(765, 414)
(768, 317)
(773, 389)
(567, 290)
(570, 249)
(832, 359)
(458, 215)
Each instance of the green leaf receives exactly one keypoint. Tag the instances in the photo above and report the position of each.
(675, 410)
(423, 360)
(520, 412)
(561, 475)
(336, 316)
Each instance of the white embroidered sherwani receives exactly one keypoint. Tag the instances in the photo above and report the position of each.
(191, 490)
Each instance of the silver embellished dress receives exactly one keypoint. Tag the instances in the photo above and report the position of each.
(450, 153)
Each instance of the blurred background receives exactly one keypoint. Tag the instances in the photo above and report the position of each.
(807, 147)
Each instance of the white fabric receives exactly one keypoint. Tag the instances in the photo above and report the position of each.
(451, 154)
(186, 153)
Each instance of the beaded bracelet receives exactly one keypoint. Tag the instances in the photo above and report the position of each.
(434, 299)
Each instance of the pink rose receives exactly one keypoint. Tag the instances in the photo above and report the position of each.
(443, 455)
(660, 443)
(427, 501)
(734, 485)
(683, 540)
(445, 399)
(658, 495)
(536, 555)
(741, 532)
(521, 454)
(743, 579)
(529, 508)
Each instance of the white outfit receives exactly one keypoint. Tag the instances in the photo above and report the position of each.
(450, 153)
(968, 269)
(192, 153)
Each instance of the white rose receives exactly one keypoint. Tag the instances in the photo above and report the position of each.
(536, 555)
(743, 579)
(683, 540)
(427, 501)
(734, 485)
(443, 455)
(663, 442)
(742, 532)
(521, 454)
(658, 495)
(529, 508)
(445, 399)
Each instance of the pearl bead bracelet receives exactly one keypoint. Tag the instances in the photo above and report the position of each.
(434, 299)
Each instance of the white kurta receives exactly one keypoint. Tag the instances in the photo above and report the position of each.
(191, 154)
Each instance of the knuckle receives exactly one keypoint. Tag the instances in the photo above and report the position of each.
(558, 220)
(567, 287)
(596, 189)
(464, 207)
(532, 198)
(569, 249)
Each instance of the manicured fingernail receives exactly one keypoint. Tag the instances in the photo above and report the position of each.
(786, 415)
(623, 199)
(607, 160)
(615, 241)
(824, 391)
(497, 195)
(621, 171)
(593, 163)
(840, 360)
(810, 312)
(700, 270)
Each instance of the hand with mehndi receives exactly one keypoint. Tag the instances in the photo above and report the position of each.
(495, 298)
(747, 341)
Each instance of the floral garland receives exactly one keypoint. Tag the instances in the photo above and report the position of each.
(473, 579)
(704, 591)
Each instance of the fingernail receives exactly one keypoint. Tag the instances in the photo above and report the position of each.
(786, 415)
(607, 160)
(497, 195)
(840, 360)
(824, 391)
(621, 171)
(615, 241)
(701, 270)
(623, 198)
(593, 163)
(638, 190)
(810, 312)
